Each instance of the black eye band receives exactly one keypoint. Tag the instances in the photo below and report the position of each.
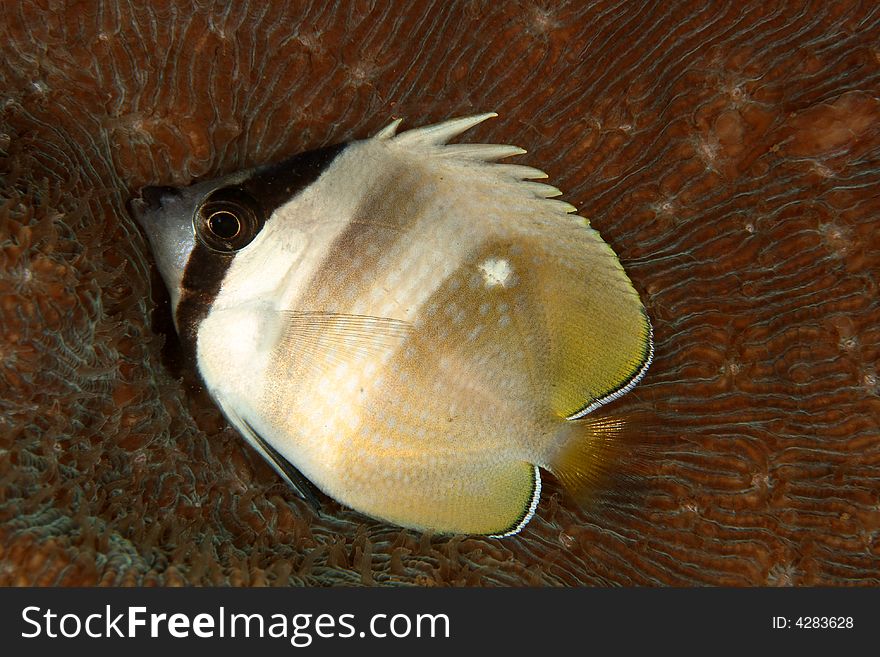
(228, 219)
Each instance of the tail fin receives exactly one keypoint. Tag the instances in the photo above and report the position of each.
(597, 449)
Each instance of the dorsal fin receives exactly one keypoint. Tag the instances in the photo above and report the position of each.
(440, 133)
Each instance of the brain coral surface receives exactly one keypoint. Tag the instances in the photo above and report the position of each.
(729, 152)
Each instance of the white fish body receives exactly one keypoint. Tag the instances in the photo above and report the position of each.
(413, 327)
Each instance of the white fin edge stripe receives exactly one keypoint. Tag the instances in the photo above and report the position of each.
(536, 497)
(625, 389)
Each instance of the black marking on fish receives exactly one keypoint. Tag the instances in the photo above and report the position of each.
(301, 484)
(202, 279)
(272, 186)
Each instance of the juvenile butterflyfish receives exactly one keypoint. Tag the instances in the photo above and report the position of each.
(407, 325)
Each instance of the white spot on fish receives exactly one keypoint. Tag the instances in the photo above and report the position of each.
(474, 333)
(496, 271)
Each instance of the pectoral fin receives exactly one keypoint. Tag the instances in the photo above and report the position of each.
(313, 341)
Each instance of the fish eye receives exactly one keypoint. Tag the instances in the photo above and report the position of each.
(228, 219)
(224, 224)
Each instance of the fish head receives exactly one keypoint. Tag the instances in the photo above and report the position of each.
(168, 217)
(196, 232)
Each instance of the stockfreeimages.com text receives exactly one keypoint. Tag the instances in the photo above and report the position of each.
(300, 629)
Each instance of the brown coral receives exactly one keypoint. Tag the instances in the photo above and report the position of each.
(729, 153)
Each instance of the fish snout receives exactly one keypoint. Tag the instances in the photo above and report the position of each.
(153, 196)
(149, 202)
